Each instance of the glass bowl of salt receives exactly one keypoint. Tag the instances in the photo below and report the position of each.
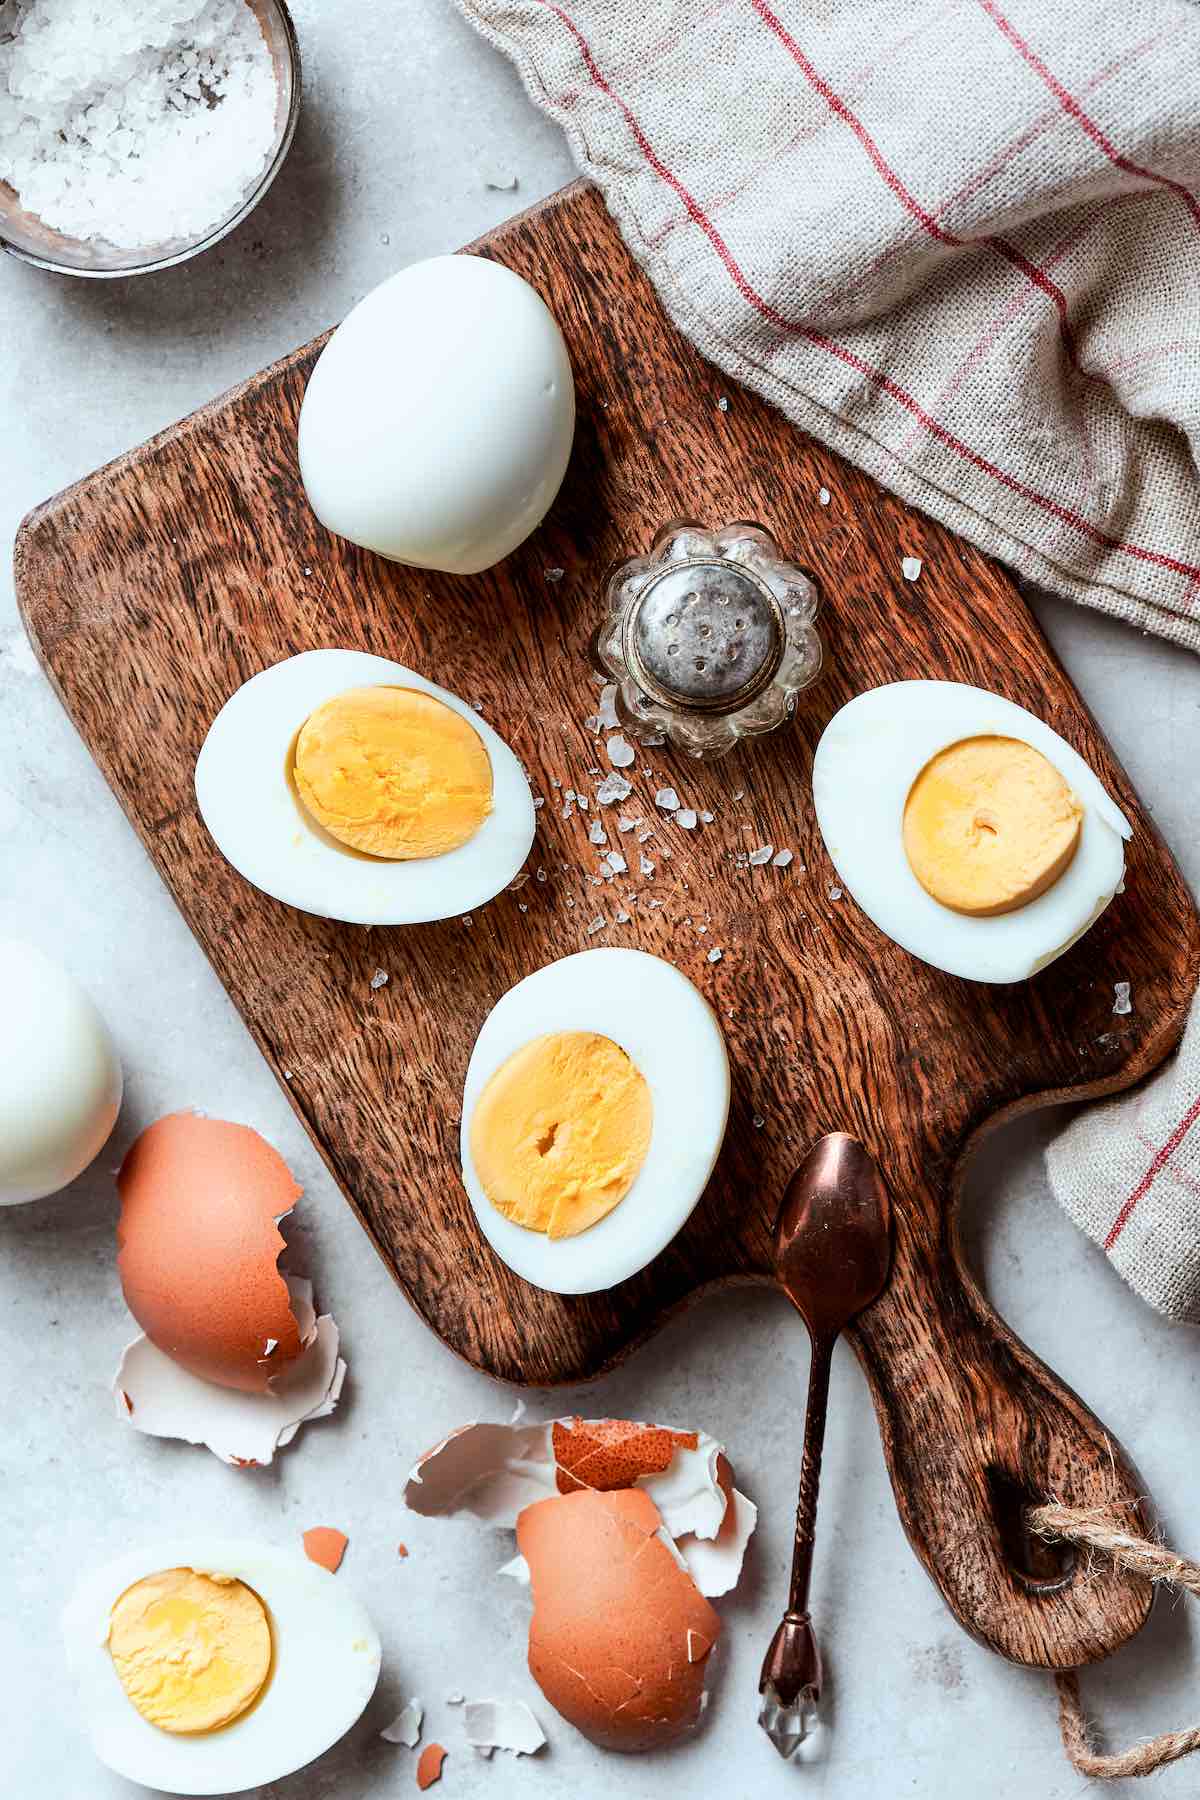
(134, 136)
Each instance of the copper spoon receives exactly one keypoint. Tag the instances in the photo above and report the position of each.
(833, 1250)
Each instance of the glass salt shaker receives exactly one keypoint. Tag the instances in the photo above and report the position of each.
(710, 636)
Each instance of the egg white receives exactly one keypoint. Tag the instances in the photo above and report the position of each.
(326, 1665)
(672, 1036)
(257, 821)
(870, 754)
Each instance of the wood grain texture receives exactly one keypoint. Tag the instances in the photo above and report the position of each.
(153, 589)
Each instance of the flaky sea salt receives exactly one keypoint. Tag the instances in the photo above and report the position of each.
(762, 855)
(667, 799)
(612, 788)
(616, 862)
(781, 859)
(620, 752)
(1122, 1003)
(597, 924)
(686, 818)
(139, 124)
(910, 567)
(379, 979)
(597, 833)
(715, 955)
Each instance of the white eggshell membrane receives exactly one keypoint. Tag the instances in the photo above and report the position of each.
(250, 807)
(60, 1081)
(160, 1398)
(326, 1665)
(672, 1036)
(437, 424)
(870, 754)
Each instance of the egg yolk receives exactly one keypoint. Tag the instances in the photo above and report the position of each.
(192, 1651)
(393, 772)
(989, 824)
(561, 1131)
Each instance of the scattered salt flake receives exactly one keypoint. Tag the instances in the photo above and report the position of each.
(823, 496)
(758, 1121)
(455, 1699)
(270, 1345)
(582, 801)
(667, 799)
(1122, 1003)
(613, 787)
(715, 955)
(623, 917)
(597, 833)
(405, 1728)
(910, 567)
(538, 800)
(429, 1768)
(616, 862)
(608, 706)
(781, 859)
(379, 978)
(741, 794)
(540, 875)
(723, 404)
(706, 818)
(655, 903)
(592, 724)
(643, 837)
(625, 823)
(518, 881)
(503, 1725)
(645, 865)
(835, 893)
(568, 811)
(762, 855)
(686, 817)
(621, 753)
(477, 706)
(326, 1546)
(597, 924)
(521, 906)
(555, 575)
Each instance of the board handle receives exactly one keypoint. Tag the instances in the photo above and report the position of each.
(976, 1431)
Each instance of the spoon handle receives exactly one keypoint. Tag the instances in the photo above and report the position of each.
(815, 1412)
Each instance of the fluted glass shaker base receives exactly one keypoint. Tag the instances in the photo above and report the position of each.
(710, 636)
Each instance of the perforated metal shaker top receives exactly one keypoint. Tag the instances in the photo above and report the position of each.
(705, 636)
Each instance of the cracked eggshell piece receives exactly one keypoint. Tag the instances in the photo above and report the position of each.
(248, 801)
(60, 1081)
(670, 1033)
(493, 1472)
(437, 423)
(325, 1665)
(198, 1244)
(405, 1728)
(869, 756)
(159, 1397)
(620, 1637)
(502, 1725)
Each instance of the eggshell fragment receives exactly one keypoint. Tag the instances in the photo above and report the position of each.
(502, 1725)
(160, 1398)
(620, 1635)
(429, 1767)
(405, 1728)
(493, 1471)
(198, 1245)
(325, 1545)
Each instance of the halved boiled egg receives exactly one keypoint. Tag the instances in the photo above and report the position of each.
(968, 830)
(351, 787)
(209, 1665)
(595, 1104)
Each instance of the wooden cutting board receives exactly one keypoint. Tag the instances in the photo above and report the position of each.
(154, 588)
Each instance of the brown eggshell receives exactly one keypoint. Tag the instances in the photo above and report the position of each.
(620, 1634)
(197, 1248)
(612, 1453)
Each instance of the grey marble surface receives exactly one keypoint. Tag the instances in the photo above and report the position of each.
(406, 119)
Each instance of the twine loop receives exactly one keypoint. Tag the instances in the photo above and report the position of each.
(1091, 1528)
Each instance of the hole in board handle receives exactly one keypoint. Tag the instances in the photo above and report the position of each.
(1043, 1568)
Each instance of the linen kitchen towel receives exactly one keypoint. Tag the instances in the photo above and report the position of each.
(959, 242)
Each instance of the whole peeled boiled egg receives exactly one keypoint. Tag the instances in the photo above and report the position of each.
(595, 1104)
(437, 423)
(966, 828)
(60, 1081)
(351, 787)
(208, 1665)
